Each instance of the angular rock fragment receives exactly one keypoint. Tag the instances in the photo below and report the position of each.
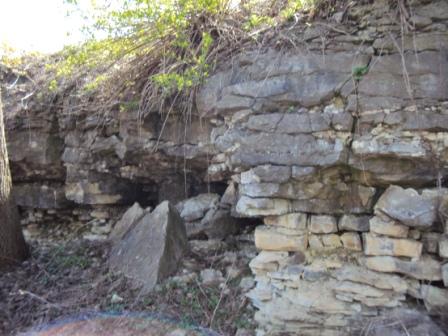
(153, 248)
(127, 221)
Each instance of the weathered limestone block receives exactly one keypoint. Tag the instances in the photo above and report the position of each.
(253, 207)
(351, 241)
(153, 248)
(268, 261)
(368, 146)
(196, 207)
(283, 149)
(430, 241)
(323, 224)
(388, 227)
(35, 154)
(324, 242)
(217, 224)
(294, 221)
(445, 274)
(407, 206)
(331, 240)
(318, 297)
(405, 119)
(302, 173)
(110, 191)
(266, 173)
(368, 295)
(443, 247)
(315, 196)
(41, 196)
(381, 170)
(305, 79)
(426, 268)
(301, 122)
(435, 299)
(315, 242)
(293, 273)
(276, 239)
(354, 223)
(378, 245)
(379, 280)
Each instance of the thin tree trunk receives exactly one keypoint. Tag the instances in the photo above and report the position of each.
(12, 244)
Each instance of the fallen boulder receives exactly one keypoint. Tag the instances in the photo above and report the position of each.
(127, 221)
(153, 248)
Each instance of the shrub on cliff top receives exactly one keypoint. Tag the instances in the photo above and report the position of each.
(162, 50)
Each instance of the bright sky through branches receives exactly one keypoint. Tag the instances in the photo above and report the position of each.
(37, 25)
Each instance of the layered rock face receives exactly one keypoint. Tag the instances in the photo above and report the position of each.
(337, 142)
(341, 147)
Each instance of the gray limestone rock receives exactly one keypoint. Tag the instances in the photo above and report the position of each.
(407, 206)
(127, 221)
(435, 299)
(219, 224)
(354, 223)
(266, 173)
(153, 248)
(323, 224)
(426, 268)
(196, 207)
(40, 196)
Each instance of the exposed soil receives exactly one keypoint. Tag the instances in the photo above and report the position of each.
(70, 279)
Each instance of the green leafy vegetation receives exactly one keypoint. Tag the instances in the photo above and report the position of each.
(162, 50)
(62, 261)
(359, 72)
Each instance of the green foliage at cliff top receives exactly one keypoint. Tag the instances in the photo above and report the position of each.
(162, 50)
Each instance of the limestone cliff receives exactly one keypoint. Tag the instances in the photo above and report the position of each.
(321, 137)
